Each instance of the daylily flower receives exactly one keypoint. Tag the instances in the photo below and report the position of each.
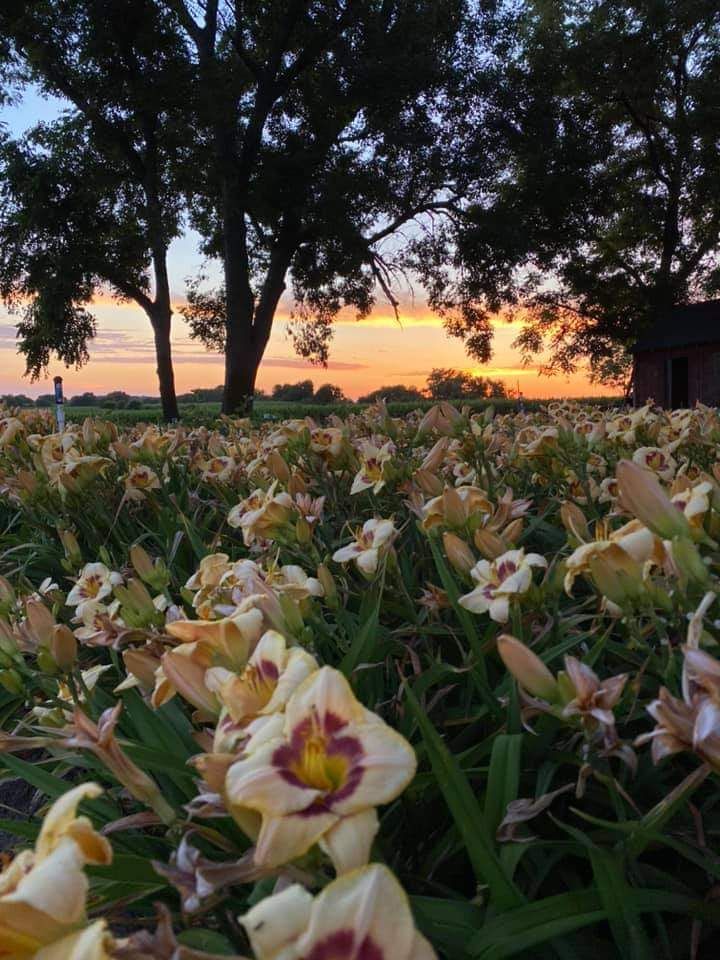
(139, 480)
(263, 514)
(327, 441)
(370, 544)
(322, 778)
(499, 581)
(657, 460)
(95, 582)
(372, 464)
(43, 892)
(633, 538)
(271, 676)
(364, 915)
(455, 507)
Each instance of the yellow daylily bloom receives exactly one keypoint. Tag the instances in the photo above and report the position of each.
(43, 892)
(271, 676)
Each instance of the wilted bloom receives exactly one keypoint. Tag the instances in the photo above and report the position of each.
(95, 582)
(139, 481)
(499, 581)
(43, 892)
(99, 738)
(364, 915)
(321, 778)
(271, 676)
(674, 725)
(592, 698)
(370, 544)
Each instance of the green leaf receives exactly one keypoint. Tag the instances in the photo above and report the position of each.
(207, 941)
(535, 923)
(55, 787)
(503, 778)
(449, 924)
(466, 812)
(363, 645)
(479, 673)
(654, 820)
(627, 929)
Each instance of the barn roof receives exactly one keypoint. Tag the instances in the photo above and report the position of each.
(682, 326)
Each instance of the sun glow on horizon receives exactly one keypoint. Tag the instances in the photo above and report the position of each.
(365, 355)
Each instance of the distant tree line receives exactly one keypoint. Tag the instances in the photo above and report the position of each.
(442, 384)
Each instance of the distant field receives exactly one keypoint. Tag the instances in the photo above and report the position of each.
(193, 413)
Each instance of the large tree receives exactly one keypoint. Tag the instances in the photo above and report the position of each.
(322, 130)
(92, 201)
(606, 208)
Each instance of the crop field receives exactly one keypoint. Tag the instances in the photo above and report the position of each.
(374, 684)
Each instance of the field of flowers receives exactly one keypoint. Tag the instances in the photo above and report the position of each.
(385, 688)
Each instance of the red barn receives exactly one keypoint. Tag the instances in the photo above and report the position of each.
(677, 360)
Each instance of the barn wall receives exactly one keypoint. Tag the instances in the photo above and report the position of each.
(703, 373)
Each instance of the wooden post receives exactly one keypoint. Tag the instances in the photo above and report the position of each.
(59, 404)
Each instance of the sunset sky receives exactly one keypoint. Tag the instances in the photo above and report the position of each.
(372, 353)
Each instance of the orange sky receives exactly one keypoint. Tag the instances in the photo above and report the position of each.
(364, 355)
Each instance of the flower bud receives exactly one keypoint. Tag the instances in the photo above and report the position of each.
(8, 641)
(303, 531)
(328, 583)
(616, 575)
(46, 661)
(7, 594)
(141, 561)
(293, 619)
(453, 507)
(296, 485)
(511, 533)
(573, 519)
(642, 496)
(688, 560)
(430, 484)
(458, 553)
(527, 668)
(277, 466)
(436, 456)
(73, 553)
(63, 647)
(489, 544)
(40, 622)
(12, 681)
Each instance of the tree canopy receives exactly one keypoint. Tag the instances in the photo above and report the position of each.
(608, 207)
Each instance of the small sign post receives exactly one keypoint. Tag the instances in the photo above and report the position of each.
(59, 404)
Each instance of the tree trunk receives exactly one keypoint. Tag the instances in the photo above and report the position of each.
(161, 322)
(241, 359)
